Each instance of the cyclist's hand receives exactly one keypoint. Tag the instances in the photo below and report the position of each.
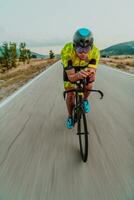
(83, 74)
(72, 76)
(91, 71)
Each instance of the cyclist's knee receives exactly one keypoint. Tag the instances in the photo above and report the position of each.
(70, 96)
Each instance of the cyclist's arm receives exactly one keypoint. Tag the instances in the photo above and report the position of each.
(66, 54)
(73, 76)
(92, 66)
(66, 57)
(95, 59)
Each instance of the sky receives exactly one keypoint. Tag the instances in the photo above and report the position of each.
(46, 22)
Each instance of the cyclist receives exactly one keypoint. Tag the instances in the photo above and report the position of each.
(80, 59)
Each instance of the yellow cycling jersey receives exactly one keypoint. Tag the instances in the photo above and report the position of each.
(69, 53)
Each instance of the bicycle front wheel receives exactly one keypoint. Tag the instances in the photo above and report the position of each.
(83, 136)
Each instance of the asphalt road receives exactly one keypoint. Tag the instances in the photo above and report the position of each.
(39, 157)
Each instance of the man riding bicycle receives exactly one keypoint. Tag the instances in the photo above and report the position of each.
(80, 59)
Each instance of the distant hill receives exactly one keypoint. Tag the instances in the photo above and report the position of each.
(38, 55)
(33, 54)
(126, 48)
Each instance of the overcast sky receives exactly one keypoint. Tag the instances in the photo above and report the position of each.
(42, 21)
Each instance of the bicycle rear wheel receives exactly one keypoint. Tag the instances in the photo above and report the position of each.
(83, 135)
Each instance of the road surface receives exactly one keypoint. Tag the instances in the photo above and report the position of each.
(39, 157)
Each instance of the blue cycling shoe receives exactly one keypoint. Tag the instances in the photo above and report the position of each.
(69, 123)
(86, 106)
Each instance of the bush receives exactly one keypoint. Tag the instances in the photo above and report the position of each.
(120, 66)
(116, 57)
(33, 56)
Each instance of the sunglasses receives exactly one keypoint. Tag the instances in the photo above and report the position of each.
(83, 49)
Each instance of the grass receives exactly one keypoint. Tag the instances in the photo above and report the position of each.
(125, 63)
(12, 79)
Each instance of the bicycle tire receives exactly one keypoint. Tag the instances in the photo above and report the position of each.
(83, 138)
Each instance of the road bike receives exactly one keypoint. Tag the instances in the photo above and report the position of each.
(79, 116)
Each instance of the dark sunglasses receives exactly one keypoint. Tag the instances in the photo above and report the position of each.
(83, 49)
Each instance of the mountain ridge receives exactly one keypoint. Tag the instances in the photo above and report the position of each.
(125, 48)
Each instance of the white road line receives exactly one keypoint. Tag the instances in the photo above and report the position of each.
(6, 101)
(117, 70)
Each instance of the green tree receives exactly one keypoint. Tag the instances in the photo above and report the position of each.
(1, 61)
(25, 54)
(51, 54)
(13, 54)
(28, 55)
(6, 55)
(1, 57)
(22, 49)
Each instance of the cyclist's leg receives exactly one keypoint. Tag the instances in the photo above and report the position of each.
(70, 100)
(70, 104)
(89, 86)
